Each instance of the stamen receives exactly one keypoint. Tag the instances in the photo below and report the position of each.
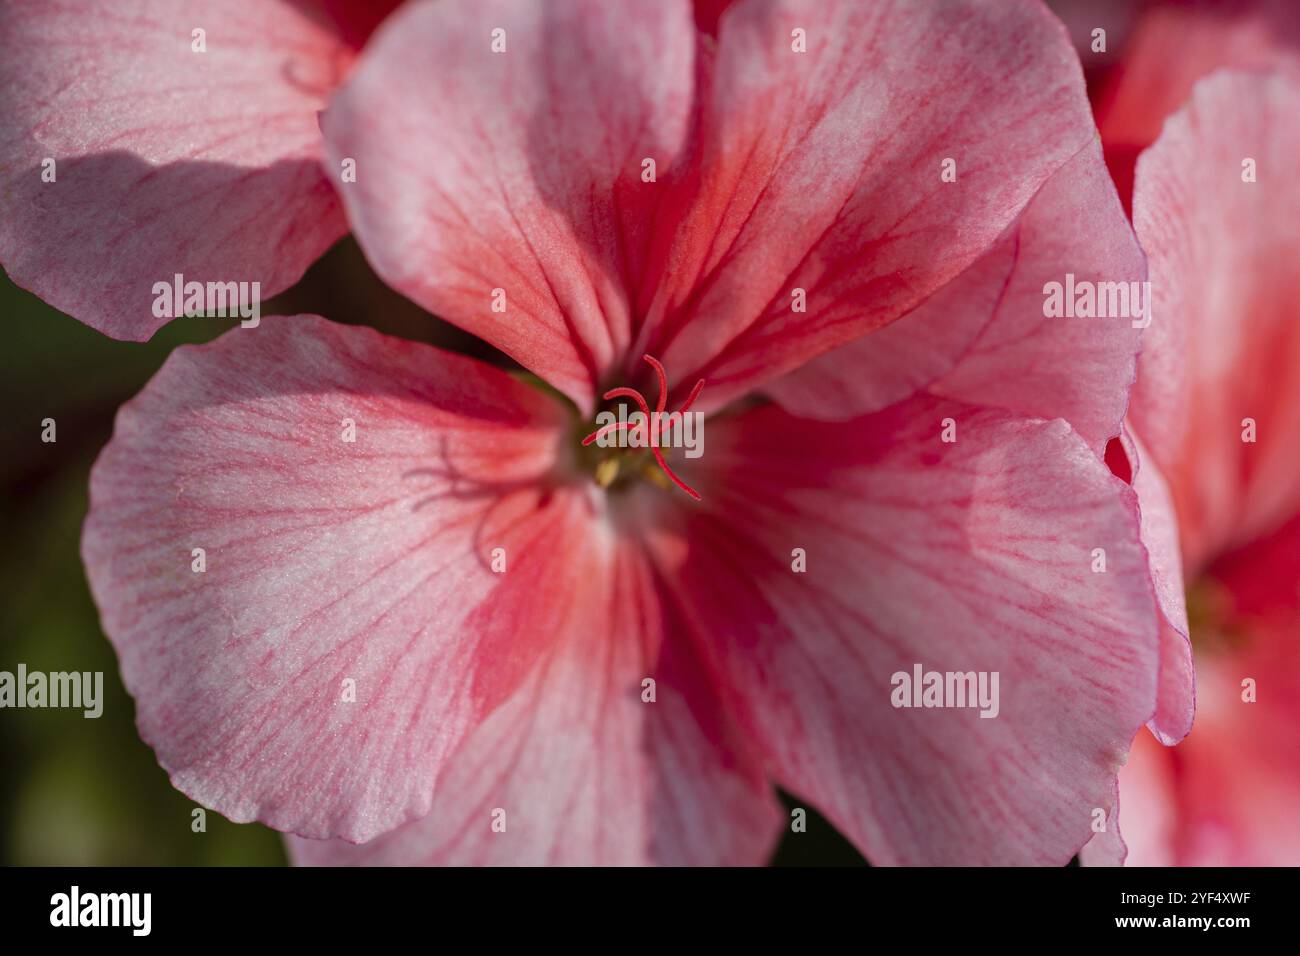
(695, 393)
(607, 470)
(663, 381)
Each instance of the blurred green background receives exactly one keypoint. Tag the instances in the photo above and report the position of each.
(77, 791)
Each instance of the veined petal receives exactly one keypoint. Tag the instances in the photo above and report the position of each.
(343, 627)
(782, 162)
(978, 555)
(580, 768)
(500, 149)
(905, 357)
(815, 206)
(1047, 324)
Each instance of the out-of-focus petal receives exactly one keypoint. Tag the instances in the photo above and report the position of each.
(128, 156)
(1173, 45)
(1215, 207)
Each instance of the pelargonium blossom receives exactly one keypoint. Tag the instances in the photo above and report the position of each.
(1215, 206)
(446, 623)
(1151, 53)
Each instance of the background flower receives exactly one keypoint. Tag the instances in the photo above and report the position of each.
(1218, 405)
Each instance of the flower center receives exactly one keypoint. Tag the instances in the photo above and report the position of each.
(627, 441)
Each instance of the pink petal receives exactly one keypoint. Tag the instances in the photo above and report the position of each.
(984, 338)
(586, 772)
(1072, 367)
(1176, 696)
(822, 172)
(969, 556)
(328, 561)
(905, 357)
(1238, 772)
(1226, 796)
(166, 160)
(520, 170)
(1106, 848)
(1159, 50)
(529, 172)
(1224, 345)
(1147, 808)
(1173, 45)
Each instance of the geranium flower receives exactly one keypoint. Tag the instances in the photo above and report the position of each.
(1216, 207)
(446, 640)
(1154, 51)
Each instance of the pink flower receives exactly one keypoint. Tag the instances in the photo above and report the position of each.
(445, 639)
(1216, 207)
(1156, 50)
(1172, 44)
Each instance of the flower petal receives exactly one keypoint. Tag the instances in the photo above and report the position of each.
(585, 770)
(1222, 356)
(1147, 806)
(905, 357)
(1237, 775)
(165, 160)
(518, 170)
(985, 337)
(531, 181)
(1176, 696)
(823, 172)
(331, 569)
(977, 555)
(1076, 367)
(1226, 796)
(1174, 45)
